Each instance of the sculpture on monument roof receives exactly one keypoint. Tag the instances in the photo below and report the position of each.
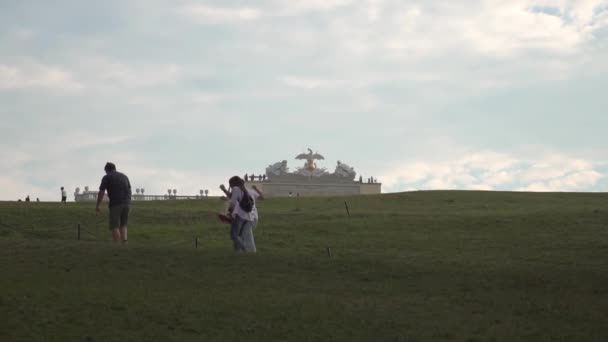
(310, 158)
(310, 167)
(310, 171)
(344, 170)
(278, 169)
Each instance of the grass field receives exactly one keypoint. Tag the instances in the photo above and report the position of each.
(421, 266)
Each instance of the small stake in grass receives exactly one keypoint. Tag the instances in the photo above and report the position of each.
(329, 252)
(347, 211)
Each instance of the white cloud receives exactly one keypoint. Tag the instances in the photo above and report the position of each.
(39, 171)
(96, 73)
(37, 76)
(105, 73)
(371, 75)
(208, 14)
(212, 14)
(489, 45)
(574, 181)
(495, 28)
(21, 164)
(26, 33)
(495, 171)
(14, 188)
(297, 7)
(510, 27)
(310, 83)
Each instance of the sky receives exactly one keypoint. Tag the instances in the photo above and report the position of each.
(420, 94)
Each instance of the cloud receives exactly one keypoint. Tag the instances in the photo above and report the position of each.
(14, 188)
(299, 7)
(496, 171)
(76, 159)
(37, 76)
(310, 83)
(209, 14)
(25, 33)
(573, 181)
(391, 87)
(206, 14)
(508, 28)
(111, 74)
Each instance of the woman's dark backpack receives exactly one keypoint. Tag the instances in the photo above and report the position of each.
(246, 202)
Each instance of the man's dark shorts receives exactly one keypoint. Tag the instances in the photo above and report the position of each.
(119, 216)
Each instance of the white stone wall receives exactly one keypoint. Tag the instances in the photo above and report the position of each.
(308, 189)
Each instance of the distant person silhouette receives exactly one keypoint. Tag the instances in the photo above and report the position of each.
(119, 191)
(64, 195)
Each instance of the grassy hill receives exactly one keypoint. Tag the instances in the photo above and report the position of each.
(421, 266)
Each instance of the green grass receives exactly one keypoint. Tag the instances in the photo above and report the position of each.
(422, 266)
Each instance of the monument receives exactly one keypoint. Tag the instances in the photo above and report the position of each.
(312, 180)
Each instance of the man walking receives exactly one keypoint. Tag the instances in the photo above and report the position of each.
(119, 191)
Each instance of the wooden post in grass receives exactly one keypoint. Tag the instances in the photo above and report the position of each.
(347, 211)
(329, 252)
(79, 231)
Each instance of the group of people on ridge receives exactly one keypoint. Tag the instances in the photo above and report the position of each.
(241, 211)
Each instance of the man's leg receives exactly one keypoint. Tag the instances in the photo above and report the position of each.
(114, 216)
(124, 221)
(123, 234)
(116, 234)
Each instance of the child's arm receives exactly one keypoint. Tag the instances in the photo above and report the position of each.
(260, 194)
(223, 188)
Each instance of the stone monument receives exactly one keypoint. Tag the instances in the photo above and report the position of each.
(313, 180)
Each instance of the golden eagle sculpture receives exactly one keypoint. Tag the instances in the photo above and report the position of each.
(310, 158)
